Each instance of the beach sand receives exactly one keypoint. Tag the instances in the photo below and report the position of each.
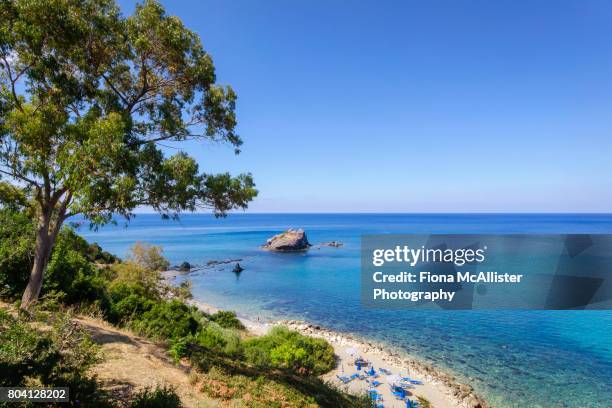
(439, 388)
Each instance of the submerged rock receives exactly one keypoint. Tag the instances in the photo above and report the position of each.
(290, 240)
(221, 262)
(334, 244)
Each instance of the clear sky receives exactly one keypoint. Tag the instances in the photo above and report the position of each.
(415, 106)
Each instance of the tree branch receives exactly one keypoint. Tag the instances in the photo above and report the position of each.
(11, 80)
(20, 177)
(119, 94)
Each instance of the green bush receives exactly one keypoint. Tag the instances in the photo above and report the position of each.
(128, 301)
(23, 352)
(96, 254)
(179, 348)
(214, 338)
(288, 349)
(17, 236)
(71, 272)
(59, 356)
(210, 338)
(160, 397)
(167, 320)
(227, 320)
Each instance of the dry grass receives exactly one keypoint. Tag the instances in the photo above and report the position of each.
(132, 363)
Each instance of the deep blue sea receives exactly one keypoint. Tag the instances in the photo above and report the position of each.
(513, 358)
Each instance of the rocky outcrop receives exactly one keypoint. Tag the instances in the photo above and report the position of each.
(288, 241)
(184, 267)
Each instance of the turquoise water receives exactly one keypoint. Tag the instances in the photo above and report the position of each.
(514, 358)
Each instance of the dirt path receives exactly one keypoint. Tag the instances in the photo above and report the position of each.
(131, 363)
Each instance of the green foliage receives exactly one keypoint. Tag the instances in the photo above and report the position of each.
(89, 118)
(167, 320)
(132, 273)
(182, 291)
(283, 348)
(227, 319)
(129, 300)
(71, 271)
(23, 352)
(215, 338)
(12, 197)
(179, 348)
(17, 235)
(86, 95)
(160, 397)
(59, 356)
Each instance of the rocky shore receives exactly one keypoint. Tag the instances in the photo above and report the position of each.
(442, 389)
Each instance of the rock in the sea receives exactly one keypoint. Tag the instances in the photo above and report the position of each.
(237, 268)
(334, 244)
(185, 267)
(290, 240)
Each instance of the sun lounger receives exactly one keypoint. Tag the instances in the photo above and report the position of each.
(418, 382)
(371, 373)
(354, 376)
(408, 403)
(375, 383)
(344, 379)
(384, 371)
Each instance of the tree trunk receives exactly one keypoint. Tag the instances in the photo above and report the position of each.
(45, 240)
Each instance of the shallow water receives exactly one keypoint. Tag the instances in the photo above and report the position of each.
(513, 358)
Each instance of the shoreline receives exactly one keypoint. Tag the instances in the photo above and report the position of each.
(440, 388)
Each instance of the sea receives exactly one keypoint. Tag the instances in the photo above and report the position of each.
(513, 358)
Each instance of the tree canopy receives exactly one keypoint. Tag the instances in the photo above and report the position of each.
(87, 96)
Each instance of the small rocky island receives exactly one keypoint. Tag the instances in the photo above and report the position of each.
(288, 241)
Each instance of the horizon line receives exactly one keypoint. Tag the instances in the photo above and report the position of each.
(393, 213)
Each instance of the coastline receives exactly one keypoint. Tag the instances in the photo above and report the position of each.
(441, 389)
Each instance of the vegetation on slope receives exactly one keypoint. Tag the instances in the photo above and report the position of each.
(279, 369)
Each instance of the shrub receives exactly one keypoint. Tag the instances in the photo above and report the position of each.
(182, 291)
(70, 272)
(227, 320)
(160, 397)
(133, 273)
(211, 338)
(283, 348)
(95, 253)
(59, 356)
(17, 236)
(167, 320)
(149, 257)
(128, 301)
(179, 348)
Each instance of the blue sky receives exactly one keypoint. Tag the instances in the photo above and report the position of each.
(429, 106)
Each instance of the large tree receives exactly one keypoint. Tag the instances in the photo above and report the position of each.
(87, 96)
